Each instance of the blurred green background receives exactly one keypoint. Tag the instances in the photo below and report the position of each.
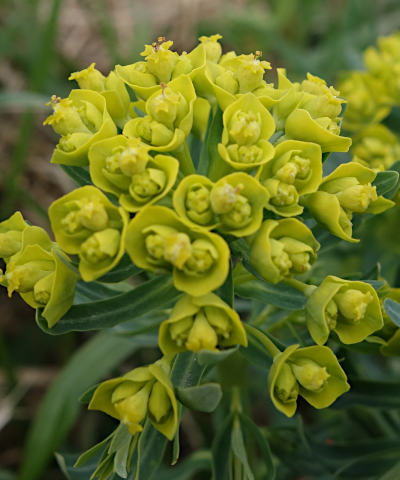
(41, 42)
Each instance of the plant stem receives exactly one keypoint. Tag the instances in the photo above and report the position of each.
(185, 159)
(301, 286)
(272, 349)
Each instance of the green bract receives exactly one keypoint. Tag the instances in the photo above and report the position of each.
(345, 191)
(140, 393)
(86, 223)
(42, 279)
(157, 240)
(283, 248)
(169, 116)
(124, 167)
(311, 372)
(111, 87)
(81, 119)
(295, 170)
(350, 308)
(247, 127)
(198, 323)
(233, 205)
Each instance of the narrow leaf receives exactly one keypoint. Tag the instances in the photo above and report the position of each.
(122, 271)
(280, 294)
(150, 296)
(239, 449)
(385, 181)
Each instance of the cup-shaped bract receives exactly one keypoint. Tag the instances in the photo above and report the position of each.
(300, 125)
(234, 204)
(347, 190)
(313, 373)
(247, 127)
(158, 240)
(191, 201)
(42, 278)
(283, 248)
(197, 323)
(169, 118)
(81, 119)
(111, 87)
(86, 223)
(376, 147)
(124, 167)
(238, 200)
(142, 392)
(295, 170)
(161, 65)
(349, 308)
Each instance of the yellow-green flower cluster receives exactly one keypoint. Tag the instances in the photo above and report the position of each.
(371, 95)
(260, 164)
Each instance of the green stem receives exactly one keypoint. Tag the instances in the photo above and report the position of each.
(272, 349)
(218, 168)
(185, 159)
(301, 286)
(236, 404)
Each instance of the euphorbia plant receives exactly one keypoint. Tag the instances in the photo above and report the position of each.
(207, 189)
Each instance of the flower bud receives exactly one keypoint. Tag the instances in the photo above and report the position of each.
(352, 304)
(244, 127)
(212, 47)
(42, 289)
(160, 61)
(310, 375)
(133, 159)
(93, 216)
(101, 246)
(89, 78)
(178, 249)
(198, 323)
(133, 409)
(227, 81)
(223, 198)
(286, 387)
(11, 235)
(201, 335)
(357, 198)
(159, 403)
(163, 107)
(249, 72)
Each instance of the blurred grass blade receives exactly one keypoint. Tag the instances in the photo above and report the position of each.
(22, 100)
(60, 407)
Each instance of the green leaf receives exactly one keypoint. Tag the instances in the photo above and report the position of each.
(186, 371)
(88, 394)
(79, 175)
(92, 452)
(204, 398)
(209, 357)
(92, 291)
(22, 100)
(280, 295)
(59, 408)
(385, 181)
(198, 461)
(373, 393)
(392, 474)
(122, 271)
(393, 310)
(263, 445)
(150, 296)
(209, 152)
(238, 448)
(221, 450)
